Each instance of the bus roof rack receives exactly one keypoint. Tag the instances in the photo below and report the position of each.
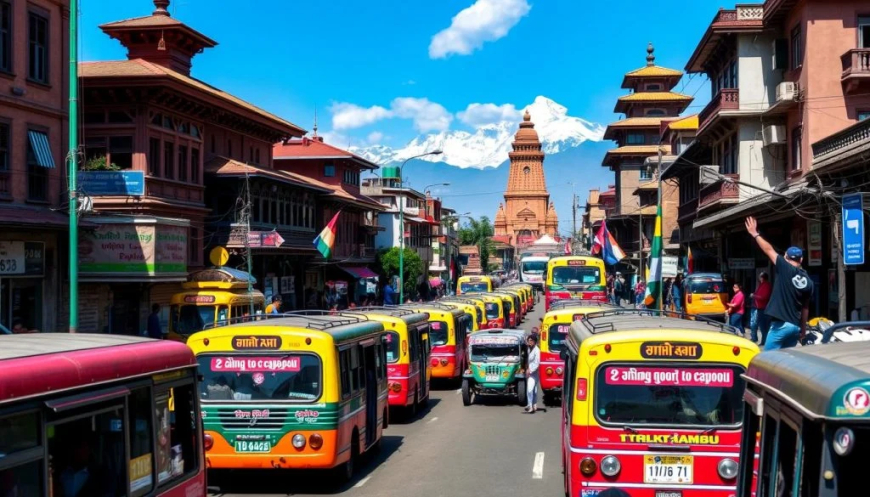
(393, 310)
(558, 304)
(316, 319)
(649, 318)
(436, 305)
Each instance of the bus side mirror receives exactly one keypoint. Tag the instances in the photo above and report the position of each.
(564, 355)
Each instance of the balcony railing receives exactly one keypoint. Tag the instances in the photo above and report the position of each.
(726, 99)
(834, 145)
(721, 190)
(741, 13)
(688, 210)
(856, 63)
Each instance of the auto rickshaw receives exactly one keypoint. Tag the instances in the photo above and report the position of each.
(497, 363)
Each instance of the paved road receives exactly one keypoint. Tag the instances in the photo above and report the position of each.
(450, 450)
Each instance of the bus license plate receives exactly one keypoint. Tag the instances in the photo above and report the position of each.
(667, 469)
(253, 446)
(490, 378)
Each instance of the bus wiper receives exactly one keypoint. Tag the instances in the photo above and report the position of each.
(709, 430)
(630, 429)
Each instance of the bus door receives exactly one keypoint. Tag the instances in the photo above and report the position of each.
(421, 357)
(370, 355)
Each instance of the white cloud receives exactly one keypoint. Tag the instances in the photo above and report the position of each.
(350, 116)
(427, 116)
(375, 137)
(410, 82)
(486, 20)
(477, 115)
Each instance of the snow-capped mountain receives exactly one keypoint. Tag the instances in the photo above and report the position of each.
(488, 145)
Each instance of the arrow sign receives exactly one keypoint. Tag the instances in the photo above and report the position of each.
(853, 229)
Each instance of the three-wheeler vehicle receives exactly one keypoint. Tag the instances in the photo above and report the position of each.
(497, 365)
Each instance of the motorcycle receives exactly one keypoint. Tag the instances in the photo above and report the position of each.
(821, 330)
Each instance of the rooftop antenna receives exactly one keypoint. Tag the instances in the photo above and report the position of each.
(315, 120)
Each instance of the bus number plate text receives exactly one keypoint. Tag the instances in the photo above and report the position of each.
(668, 469)
(253, 446)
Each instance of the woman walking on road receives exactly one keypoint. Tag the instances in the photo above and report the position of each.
(532, 381)
(735, 309)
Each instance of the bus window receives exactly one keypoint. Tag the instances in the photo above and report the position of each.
(178, 457)
(223, 313)
(438, 333)
(344, 359)
(257, 378)
(19, 433)
(412, 346)
(466, 287)
(576, 275)
(393, 346)
(557, 336)
(491, 310)
(141, 440)
(188, 319)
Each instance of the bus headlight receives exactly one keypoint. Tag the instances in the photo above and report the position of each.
(396, 387)
(299, 441)
(559, 371)
(207, 441)
(587, 466)
(727, 469)
(610, 466)
(315, 441)
(549, 371)
(443, 362)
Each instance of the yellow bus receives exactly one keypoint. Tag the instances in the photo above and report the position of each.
(210, 298)
(575, 276)
(448, 333)
(652, 402)
(292, 391)
(473, 284)
(475, 309)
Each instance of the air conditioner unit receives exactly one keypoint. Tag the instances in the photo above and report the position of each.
(707, 175)
(774, 135)
(785, 91)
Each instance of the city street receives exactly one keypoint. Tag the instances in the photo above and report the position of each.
(489, 448)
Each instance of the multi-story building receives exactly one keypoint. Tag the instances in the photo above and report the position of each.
(389, 192)
(785, 74)
(337, 172)
(34, 66)
(593, 214)
(149, 115)
(651, 100)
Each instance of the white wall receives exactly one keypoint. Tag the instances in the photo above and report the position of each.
(390, 236)
(756, 78)
(759, 165)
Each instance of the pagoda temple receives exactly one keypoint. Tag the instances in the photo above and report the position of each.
(650, 104)
(527, 212)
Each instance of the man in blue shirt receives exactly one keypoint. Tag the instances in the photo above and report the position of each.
(389, 295)
(154, 330)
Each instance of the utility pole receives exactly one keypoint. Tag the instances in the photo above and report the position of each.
(245, 220)
(401, 199)
(73, 167)
(661, 220)
(574, 219)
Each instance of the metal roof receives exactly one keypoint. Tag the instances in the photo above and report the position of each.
(558, 305)
(646, 319)
(34, 344)
(815, 377)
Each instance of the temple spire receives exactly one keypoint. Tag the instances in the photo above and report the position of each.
(650, 58)
(161, 8)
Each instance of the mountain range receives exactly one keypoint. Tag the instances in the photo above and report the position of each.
(476, 165)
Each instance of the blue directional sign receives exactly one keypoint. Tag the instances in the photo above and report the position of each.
(853, 229)
(106, 183)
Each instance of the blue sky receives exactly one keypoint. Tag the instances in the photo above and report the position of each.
(290, 57)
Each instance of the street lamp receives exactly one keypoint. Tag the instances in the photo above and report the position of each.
(451, 220)
(426, 188)
(402, 223)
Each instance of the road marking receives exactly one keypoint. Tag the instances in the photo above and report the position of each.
(433, 419)
(538, 467)
(362, 482)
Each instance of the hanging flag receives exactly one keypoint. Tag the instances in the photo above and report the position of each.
(568, 247)
(690, 262)
(607, 246)
(654, 280)
(326, 239)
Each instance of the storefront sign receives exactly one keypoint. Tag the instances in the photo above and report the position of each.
(853, 229)
(133, 248)
(21, 259)
(257, 342)
(256, 239)
(120, 183)
(739, 264)
(814, 243)
(671, 350)
(669, 266)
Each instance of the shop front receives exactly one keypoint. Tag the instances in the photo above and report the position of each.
(25, 294)
(126, 264)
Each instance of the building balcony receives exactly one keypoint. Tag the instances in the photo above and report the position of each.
(688, 211)
(719, 193)
(412, 211)
(856, 68)
(726, 100)
(843, 147)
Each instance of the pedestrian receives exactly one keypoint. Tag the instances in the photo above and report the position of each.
(389, 295)
(275, 306)
(639, 293)
(759, 320)
(154, 330)
(735, 308)
(677, 293)
(532, 377)
(788, 307)
(618, 287)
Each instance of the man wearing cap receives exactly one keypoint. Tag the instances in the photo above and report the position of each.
(788, 308)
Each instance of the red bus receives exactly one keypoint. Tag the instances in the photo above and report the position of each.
(94, 415)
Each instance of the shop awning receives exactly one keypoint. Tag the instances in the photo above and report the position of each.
(41, 149)
(359, 272)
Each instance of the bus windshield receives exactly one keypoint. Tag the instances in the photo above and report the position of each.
(294, 377)
(672, 395)
(188, 319)
(496, 353)
(576, 275)
(534, 267)
(438, 333)
(392, 346)
(491, 310)
(558, 335)
(480, 286)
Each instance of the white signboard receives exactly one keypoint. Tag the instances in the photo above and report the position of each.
(669, 266)
(738, 263)
(11, 258)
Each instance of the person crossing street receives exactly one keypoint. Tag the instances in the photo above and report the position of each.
(533, 376)
(789, 303)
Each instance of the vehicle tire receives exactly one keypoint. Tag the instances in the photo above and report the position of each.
(386, 422)
(346, 470)
(425, 402)
(412, 410)
(466, 392)
(521, 393)
(548, 399)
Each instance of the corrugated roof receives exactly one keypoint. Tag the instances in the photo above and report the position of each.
(310, 148)
(686, 123)
(653, 71)
(654, 96)
(223, 166)
(650, 185)
(631, 122)
(143, 68)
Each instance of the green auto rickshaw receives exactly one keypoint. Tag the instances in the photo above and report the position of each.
(497, 365)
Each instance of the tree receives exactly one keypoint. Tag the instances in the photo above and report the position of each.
(388, 266)
(478, 232)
